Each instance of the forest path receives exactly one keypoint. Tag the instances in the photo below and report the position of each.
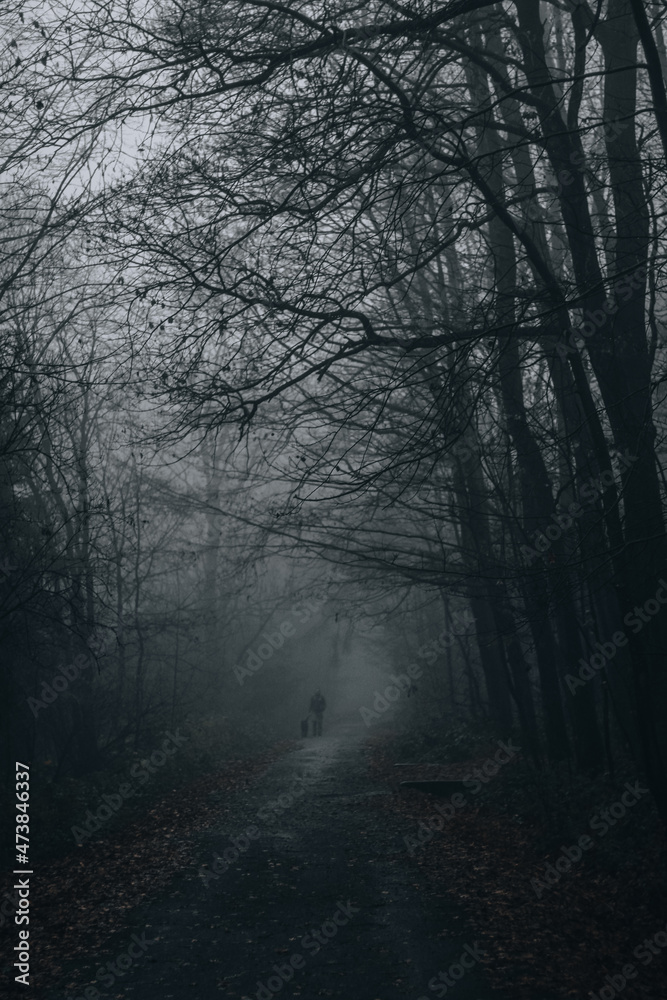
(321, 858)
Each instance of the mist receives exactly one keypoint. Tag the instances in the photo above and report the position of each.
(333, 509)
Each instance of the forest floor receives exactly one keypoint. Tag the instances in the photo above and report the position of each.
(587, 923)
(323, 889)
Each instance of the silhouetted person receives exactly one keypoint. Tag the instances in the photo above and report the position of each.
(317, 706)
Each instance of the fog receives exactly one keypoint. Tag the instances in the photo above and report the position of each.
(333, 436)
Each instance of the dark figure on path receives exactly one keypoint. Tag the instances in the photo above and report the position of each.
(304, 727)
(317, 706)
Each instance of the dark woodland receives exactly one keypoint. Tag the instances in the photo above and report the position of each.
(333, 499)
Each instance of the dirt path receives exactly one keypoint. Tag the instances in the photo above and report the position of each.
(319, 899)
